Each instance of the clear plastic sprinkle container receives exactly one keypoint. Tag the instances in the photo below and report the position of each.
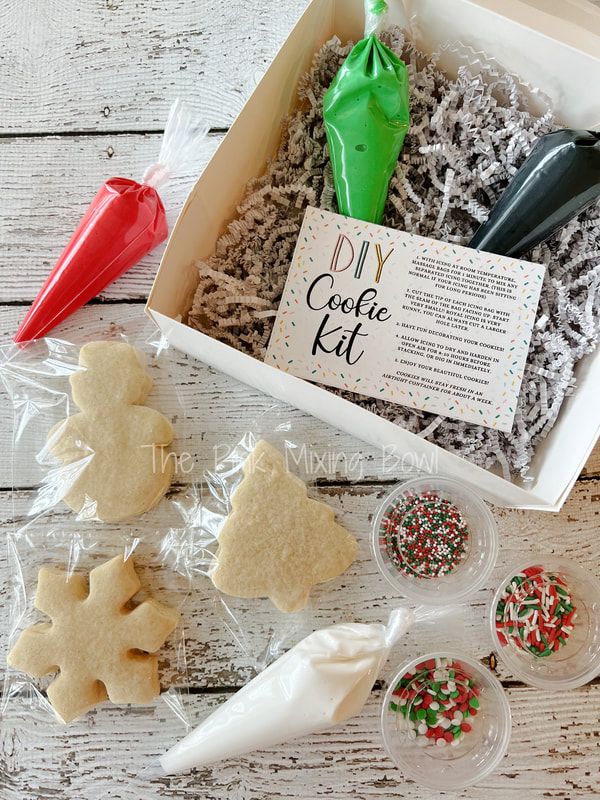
(434, 540)
(545, 623)
(445, 721)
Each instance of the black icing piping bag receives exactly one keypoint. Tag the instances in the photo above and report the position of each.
(559, 179)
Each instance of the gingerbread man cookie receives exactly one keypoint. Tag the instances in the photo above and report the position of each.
(276, 541)
(117, 446)
(101, 646)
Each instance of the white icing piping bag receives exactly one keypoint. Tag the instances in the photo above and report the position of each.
(322, 681)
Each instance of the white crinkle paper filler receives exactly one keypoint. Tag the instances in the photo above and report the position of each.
(467, 139)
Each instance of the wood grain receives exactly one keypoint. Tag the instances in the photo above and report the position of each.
(361, 594)
(85, 89)
(553, 754)
(48, 182)
(114, 65)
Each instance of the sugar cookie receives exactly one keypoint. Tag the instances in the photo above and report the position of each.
(276, 542)
(95, 639)
(117, 446)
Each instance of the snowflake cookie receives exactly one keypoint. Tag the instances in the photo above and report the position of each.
(115, 453)
(102, 646)
(276, 541)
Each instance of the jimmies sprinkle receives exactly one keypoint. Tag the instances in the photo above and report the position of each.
(536, 612)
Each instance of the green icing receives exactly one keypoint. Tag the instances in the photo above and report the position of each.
(366, 114)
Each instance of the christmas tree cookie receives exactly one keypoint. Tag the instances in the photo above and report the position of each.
(276, 541)
(115, 456)
(102, 647)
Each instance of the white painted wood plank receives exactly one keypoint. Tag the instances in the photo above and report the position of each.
(554, 753)
(218, 410)
(48, 182)
(117, 65)
(361, 594)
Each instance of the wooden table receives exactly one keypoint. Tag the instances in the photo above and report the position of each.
(85, 90)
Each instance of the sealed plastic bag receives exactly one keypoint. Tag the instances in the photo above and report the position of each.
(60, 558)
(559, 179)
(93, 422)
(263, 623)
(46, 565)
(124, 222)
(366, 116)
(259, 628)
(65, 549)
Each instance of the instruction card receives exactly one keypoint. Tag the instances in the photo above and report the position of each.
(403, 318)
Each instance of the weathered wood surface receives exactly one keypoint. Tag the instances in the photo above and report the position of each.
(553, 754)
(47, 184)
(85, 89)
(114, 65)
(361, 594)
(216, 410)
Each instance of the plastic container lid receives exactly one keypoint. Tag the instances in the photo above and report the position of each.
(475, 753)
(576, 660)
(478, 561)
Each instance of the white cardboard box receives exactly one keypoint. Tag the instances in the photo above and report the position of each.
(559, 57)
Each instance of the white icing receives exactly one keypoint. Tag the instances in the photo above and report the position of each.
(322, 681)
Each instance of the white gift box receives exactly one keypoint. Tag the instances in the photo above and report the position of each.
(550, 48)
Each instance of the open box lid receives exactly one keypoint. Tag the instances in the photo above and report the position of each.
(254, 136)
(522, 36)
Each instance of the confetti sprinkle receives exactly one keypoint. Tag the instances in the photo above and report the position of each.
(437, 701)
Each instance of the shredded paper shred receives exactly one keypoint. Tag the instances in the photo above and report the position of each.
(467, 139)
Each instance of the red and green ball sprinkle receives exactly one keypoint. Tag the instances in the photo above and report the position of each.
(423, 535)
(438, 701)
(536, 612)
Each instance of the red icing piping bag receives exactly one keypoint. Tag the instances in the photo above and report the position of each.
(123, 223)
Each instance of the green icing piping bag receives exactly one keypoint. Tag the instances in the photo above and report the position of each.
(366, 116)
